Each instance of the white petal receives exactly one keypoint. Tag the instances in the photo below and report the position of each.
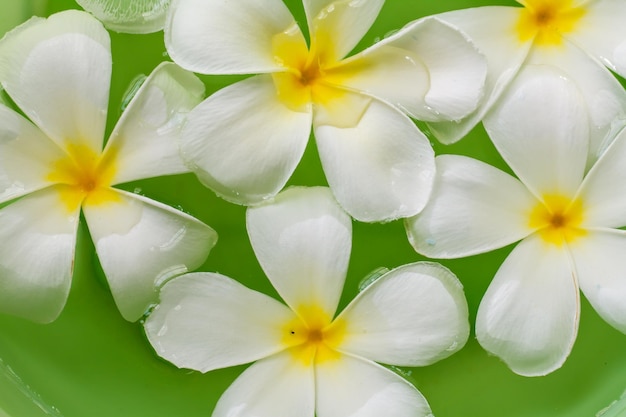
(540, 128)
(129, 16)
(474, 208)
(381, 169)
(601, 33)
(601, 267)
(272, 387)
(141, 244)
(58, 70)
(27, 156)
(529, 314)
(603, 192)
(37, 257)
(302, 240)
(353, 387)
(244, 143)
(491, 29)
(225, 37)
(207, 321)
(446, 71)
(340, 24)
(603, 95)
(145, 140)
(414, 315)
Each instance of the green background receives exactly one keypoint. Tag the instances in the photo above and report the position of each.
(92, 363)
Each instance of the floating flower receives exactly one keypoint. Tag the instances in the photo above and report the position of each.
(577, 36)
(307, 362)
(57, 70)
(567, 221)
(245, 141)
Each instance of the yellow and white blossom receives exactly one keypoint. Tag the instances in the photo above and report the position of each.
(53, 168)
(308, 360)
(245, 141)
(567, 220)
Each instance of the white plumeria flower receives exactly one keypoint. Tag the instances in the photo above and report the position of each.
(245, 141)
(577, 36)
(57, 70)
(307, 362)
(567, 221)
(129, 16)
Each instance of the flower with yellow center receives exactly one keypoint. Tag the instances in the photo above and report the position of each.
(567, 219)
(307, 361)
(574, 36)
(246, 140)
(53, 168)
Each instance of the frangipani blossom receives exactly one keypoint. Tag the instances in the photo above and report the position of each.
(566, 218)
(57, 70)
(245, 141)
(577, 36)
(309, 361)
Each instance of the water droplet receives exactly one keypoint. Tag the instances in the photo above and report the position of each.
(431, 242)
(162, 331)
(372, 277)
(135, 85)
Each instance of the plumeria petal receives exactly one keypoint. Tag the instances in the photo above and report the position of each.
(529, 315)
(354, 387)
(26, 156)
(129, 16)
(302, 241)
(412, 316)
(604, 188)
(489, 27)
(223, 37)
(601, 266)
(243, 142)
(381, 169)
(37, 258)
(474, 208)
(206, 321)
(443, 68)
(603, 33)
(540, 128)
(58, 70)
(141, 244)
(338, 24)
(145, 140)
(603, 95)
(274, 386)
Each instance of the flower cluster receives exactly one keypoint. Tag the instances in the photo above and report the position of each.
(537, 76)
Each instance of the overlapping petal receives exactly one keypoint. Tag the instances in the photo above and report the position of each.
(129, 16)
(474, 208)
(206, 321)
(225, 37)
(26, 156)
(601, 266)
(339, 24)
(37, 257)
(545, 142)
(57, 70)
(274, 386)
(604, 188)
(489, 27)
(381, 169)
(412, 316)
(145, 141)
(243, 142)
(529, 314)
(603, 33)
(354, 387)
(302, 241)
(141, 244)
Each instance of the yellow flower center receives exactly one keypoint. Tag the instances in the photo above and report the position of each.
(558, 219)
(84, 175)
(548, 20)
(313, 336)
